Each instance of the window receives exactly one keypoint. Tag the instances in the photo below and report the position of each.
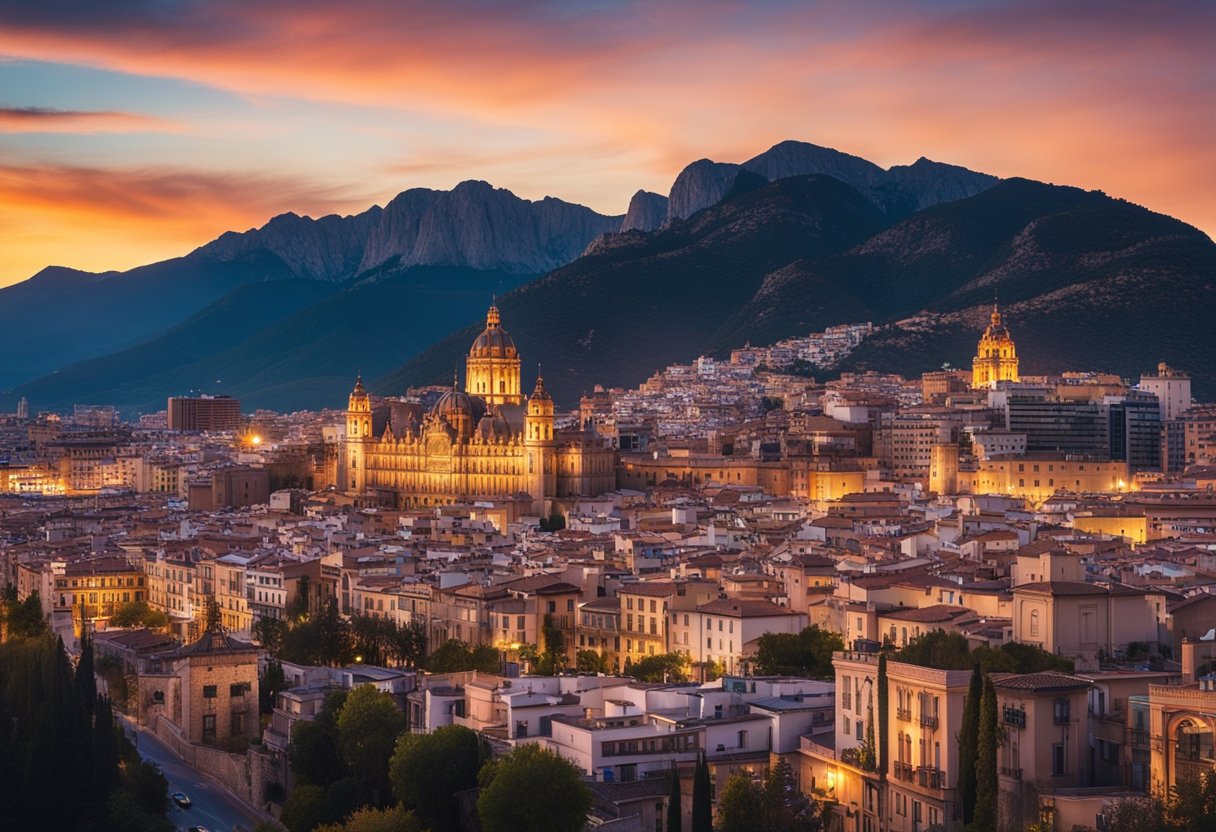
(1034, 622)
(209, 692)
(236, 723)
(208, 727)
(1057, 759)
(1061, 711)
(238, 690)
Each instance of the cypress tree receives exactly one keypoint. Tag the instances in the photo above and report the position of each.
(968, 741)
(702, 803)
(985, 763)
(675, 818)
(882, 714)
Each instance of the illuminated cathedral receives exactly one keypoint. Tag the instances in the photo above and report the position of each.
(486, 442)
(996, 358)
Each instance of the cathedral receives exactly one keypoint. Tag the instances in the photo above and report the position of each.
(486, 442)
(996, 358)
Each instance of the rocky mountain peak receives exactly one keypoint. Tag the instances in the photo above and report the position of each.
(647, 211)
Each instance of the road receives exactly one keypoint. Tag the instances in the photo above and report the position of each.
(213, 807)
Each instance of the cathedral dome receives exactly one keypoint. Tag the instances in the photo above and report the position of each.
(454, 405)
(493, 342)
(494, 427)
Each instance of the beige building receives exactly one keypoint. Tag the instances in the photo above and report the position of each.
(1045, 718)
(208, 690)
(926, 713)
(645, 610)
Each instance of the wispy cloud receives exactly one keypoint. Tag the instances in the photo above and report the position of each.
(51, 120)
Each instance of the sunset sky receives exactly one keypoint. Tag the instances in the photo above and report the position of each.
(135, 130)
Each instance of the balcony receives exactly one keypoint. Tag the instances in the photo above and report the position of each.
(903, 771)
(904, 714)
(928, 721)
(930, 778)
(1015, 773)
(1014, 716)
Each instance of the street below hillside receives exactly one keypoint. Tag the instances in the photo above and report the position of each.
(213, 807)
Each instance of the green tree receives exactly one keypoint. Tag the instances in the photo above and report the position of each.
(951, 651)
(702, 799)
(808, 653)
(986, 804)
(427, 771)
(368, 726)
(533, 790)
(1191, 804)
(664, 667)
(741, 806)
(271, 683)
(1134, 814)
(395, 819)
(968, 745)
(409, 644)
(271, 632)
(589, 661)
(139, 614)
(304, 810)
(675, 808)
(774, 804)
(24, 619)
(314, 745)
(455, 656)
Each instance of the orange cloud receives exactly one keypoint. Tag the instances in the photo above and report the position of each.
(76, 215)
(50, 120)
(615, 96)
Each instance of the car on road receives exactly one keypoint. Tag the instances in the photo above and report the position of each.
(197, 829)
(180, 799)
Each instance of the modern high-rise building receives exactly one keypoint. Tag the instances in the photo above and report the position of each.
(1135, 430)
(204, 413)
(23, 408)
(1055, 426)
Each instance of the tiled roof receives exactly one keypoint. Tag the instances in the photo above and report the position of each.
(929, 615)
(744, 609)
(1061, 588)
(1039, 682)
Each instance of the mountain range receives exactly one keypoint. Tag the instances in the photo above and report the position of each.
(792, 241)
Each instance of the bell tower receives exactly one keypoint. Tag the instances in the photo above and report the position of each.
(358, 435)
(540, 449)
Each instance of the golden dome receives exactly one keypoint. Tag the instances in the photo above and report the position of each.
(493, 342)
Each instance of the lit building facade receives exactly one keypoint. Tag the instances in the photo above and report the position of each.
(996, 358)
(484, 442)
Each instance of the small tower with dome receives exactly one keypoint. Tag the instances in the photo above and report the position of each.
(996, 357)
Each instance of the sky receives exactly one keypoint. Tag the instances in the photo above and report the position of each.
(136, 130)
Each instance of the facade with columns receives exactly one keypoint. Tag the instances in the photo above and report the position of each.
(487, 442)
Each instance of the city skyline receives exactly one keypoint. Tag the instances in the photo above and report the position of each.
(139, 134)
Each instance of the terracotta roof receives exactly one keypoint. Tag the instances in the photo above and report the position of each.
(1061, 588)
(1039, 682)
(929, 615)
(656, 588)
(744, 609)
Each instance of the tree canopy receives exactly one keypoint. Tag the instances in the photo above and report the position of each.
(532, 790)
(427, 770)
(775, 804)
(664, 667)
(138, 614)
(368, 726)
(951, 651)
(808, 653)
(455, 656)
